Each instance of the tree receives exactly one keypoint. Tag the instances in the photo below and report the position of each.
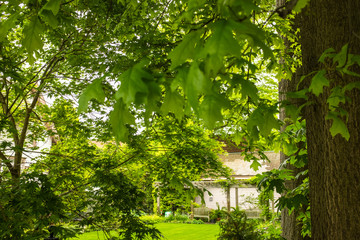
(175, 155)
(74, 182)
(332, 127)
(202, 57)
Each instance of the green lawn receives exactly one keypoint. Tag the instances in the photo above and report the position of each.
(173, 231)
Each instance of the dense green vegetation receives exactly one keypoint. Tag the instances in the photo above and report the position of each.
(147, 78)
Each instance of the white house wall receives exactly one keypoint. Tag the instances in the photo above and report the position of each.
(240, 167)
(247, 197)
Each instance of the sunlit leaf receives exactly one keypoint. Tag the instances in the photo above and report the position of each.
(222, 41)
(174, 103)
(119, 117)
(185, 50)
(248, 88)
(32, 40)
(6, 25)
(264, 119)
(132, 84)
(93, 91)
(253, 34)
(210, 109)
(255, 165)
(196, 84)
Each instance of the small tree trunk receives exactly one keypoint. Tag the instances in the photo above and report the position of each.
(192, 210)
(291, 228)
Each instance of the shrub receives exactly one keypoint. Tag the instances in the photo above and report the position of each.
(169, 218)
(151, 219)
(237, 227)
(217, 213)
(269, 230)
(195, 221)
(199, 221)
(181, 217)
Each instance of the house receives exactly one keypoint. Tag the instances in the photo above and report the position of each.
(241, 194)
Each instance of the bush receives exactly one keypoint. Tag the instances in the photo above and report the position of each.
(199, 221)
(237, 227)
(152, 219)
(177, 218)
(181, 217)
(217, 213)
(269, 230)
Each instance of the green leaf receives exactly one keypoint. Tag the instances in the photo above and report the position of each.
(330, 52)
(248, 88)
(132, 85)
(5, 26)
(299, 94)
(338, 126)
(93, 91)
(246, 6)
(300, 5)
(52, 5)
(153, 99)
(292, 111)
(269, 122)
(318, 82)
(185, 50)
(174, 103)
(196, 84)
(341, 57)
(32, 40)
(213, 65)
(336, 97)
(253, 34)
(264, 119)
(119, 117)
(50, 18)
(210, 109)
(255, 165)
(351, 86)
(222, 41)
(347, 71)
(238, 137)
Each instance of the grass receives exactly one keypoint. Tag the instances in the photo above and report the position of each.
(172, 231)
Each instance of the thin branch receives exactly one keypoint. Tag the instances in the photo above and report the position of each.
(160, 17)
(6, 161)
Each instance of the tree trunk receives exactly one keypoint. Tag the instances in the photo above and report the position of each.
(334, 163)
(291, 228)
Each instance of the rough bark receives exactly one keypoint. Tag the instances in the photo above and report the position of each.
(291, 228)
(334, 163)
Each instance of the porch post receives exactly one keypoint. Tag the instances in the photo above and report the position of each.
(236, 197)
(228, 198)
